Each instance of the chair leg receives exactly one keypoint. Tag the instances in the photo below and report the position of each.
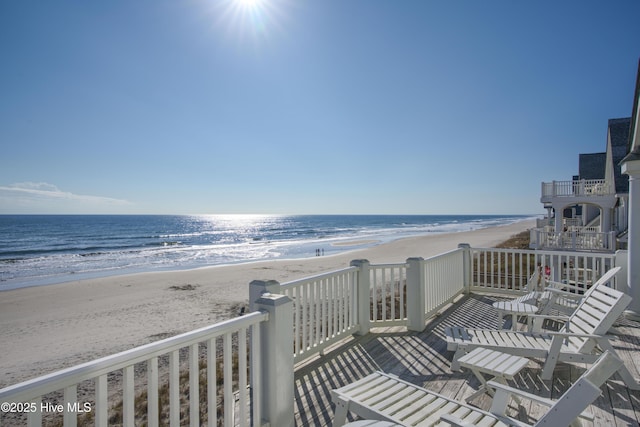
(460, 351)
(340, 414)
(552, 357)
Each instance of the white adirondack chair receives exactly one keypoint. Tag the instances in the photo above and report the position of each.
(553, 297)
(534, 287)
(581, 340)
(381, 396)
(565, 298)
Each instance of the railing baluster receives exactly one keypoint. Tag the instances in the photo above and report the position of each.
(70, 418)
(194, 385)
(256, 375)
(227, 367)
(395, 288)
(153, 415)
(485, 263)
(384, 294)
(340, 301)
(331, 312)
(304, 324)
(128, 396)
(320, 313)
(34, 418)
(374, 294)
(492, 270)
(212, 384)
(174, 388)
(242, 377)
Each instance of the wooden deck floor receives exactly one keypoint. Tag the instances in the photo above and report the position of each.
(422, 359)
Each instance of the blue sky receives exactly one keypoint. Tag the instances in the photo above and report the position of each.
(307, 106)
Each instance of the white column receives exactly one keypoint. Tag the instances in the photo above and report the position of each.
(632, 168)
(558, 220)
(605, 219)
(364, 295)
(276, 345)
(415, 295)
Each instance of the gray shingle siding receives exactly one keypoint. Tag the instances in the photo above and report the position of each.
(619, 131)
(591, 166)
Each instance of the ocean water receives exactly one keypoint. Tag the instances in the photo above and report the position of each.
(46, 249)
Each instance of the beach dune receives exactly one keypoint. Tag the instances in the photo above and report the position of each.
(48, 328)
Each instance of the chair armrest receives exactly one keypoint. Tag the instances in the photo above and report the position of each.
(537, 320)
(564, 294)
(520, 393)
(559, 318)
(578, 335)
(506, 390)
(458, 422)
(454, 421)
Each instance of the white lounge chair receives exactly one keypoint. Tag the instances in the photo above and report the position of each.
(381, 396)
(563, 298)
(548, 296)
(581, 340)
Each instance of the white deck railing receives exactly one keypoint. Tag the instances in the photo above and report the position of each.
(507, 270)
(324, 309)
(212, 344)
(583, 239)
(305, 316)
(388, 290)
(584, 187)
(444, 280)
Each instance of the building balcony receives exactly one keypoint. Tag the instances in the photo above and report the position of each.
(574, 239)
(582, 191)
(278, 364)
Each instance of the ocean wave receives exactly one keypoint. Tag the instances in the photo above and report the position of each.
(86, 247)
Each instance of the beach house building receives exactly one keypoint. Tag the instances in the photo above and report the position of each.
(589, 212)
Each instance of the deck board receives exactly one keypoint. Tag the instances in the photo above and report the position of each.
(422, 359)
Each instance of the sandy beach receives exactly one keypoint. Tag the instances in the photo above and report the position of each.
(48, 328)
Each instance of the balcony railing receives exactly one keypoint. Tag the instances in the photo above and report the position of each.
(247, 363)
(576, 239)
(581, 188)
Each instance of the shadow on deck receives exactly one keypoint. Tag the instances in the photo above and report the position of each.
(422, 358)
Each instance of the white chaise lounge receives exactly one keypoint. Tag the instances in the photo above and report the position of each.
(380, 396)
(552, 297)
(581, 340)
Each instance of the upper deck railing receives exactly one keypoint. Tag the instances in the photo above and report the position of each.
(240, 372)
(579, 188)
(575, 238)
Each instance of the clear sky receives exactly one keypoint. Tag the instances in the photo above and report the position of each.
(305, 106)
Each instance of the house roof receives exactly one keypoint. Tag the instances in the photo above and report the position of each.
(619, 133)
(632, 145)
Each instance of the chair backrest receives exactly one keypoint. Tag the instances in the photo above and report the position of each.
(582, 393)
(533, 284)
(596, 313)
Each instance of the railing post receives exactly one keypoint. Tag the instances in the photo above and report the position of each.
(621, 260)
(466, 266)
(416, 290)
(259, 287)
(363, 301)
(276, 354)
